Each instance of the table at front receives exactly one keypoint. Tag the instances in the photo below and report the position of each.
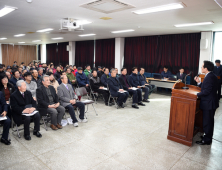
(161, 83)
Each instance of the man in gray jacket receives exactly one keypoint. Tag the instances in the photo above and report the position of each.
(68, 99)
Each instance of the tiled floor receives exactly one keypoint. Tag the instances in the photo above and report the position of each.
(122, 139)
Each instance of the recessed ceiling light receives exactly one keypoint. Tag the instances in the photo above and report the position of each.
(36, 40)
(121, 31)
(85, 35)
(193, 24)
(58, 38)
(21, 42)
(105, 18)
(161, 8)
(3, 38)
(19, 35)
(6, 10)
(45, 30)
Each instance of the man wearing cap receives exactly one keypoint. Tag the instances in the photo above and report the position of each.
(9, 69)
(2, 73)
(82, 80)
(218, 72)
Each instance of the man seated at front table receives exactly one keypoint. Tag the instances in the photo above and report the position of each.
(15, 78)
(22, 102)
(143, 81)
(137, 94)
(30, 85)
(48, 102)
(165, 73)
(82, 80)
(135, 82)
(97, 86)
(6, 123)
(104, 77)
(116, 89)
(68, 99)
(181, 75)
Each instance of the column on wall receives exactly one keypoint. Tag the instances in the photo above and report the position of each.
(119, 53)
(72, 49)
(43, 53)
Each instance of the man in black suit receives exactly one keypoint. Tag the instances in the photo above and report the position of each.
(208, 101)
(6, 123)
(15, 78)
(116, 89)
(22, 102)
(48, 102)
(137, 94)
(181, 75)
(218, 72)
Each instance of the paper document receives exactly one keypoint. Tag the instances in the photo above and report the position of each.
(134, 88)
(85, 101)
(31, 114)
(141, 86)
(2, 118)
(104, 88)
(122, 91)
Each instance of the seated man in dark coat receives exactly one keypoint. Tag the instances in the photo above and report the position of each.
(181, 75)
(22, 102)
(98, 87)
(82, 80)
(6, 123)
(218, 72)
(104, 77)
(137, 94)
(135, 82)
(116, 89)
(15, 78)
(143, 81)
(165, 73)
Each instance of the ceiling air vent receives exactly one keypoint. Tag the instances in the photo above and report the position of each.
(107, 6)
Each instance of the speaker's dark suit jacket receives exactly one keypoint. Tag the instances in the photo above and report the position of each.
(208, 95)
(18, 103)
(43, 99)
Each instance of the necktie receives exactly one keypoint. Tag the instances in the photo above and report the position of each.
(180, 75)
(67, 87)
(23, 95)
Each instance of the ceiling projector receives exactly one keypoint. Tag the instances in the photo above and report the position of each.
(73, 24)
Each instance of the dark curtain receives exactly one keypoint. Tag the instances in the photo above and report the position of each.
(84, 53)
(39, 52)
(63, 54)
(154, 52)
(105, 53)
(57, 54)
(51, 54)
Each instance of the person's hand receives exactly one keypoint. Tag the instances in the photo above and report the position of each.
(73, 81)
(87, 85)
(74, 101)
(32, 109)
(34, 98)
(101, 87)
(7, 102)
(130, 88)
(26, 110)
(147, 84)
(121, 90)
(57, 105)
(138, 87)
(51, 106)
(197, 79)
(4, 113)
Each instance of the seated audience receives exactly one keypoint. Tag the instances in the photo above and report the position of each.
(48, 102)
(218, 72)
(15, 78)
(58, 72)
(30, 85)
(8, 74)
(117, 74)
(82, 80)
(137, 94)
(44, 66)
(52, 67)
(22, 102)
(165, 73)
(35, 77)
(143, 81)
(116, 89)
(40, 72)
(71, 77)
(2, 72)
(97, 86)
(181, 75)
(87, 70)
(53, 81)
(23, 72)
(68, 99)
(104, 77)
(135, 82)
(60, 81)
(23, 65)
(101, 72)
(74, 70)
(9, 69)
(7, 89)
(7, 122)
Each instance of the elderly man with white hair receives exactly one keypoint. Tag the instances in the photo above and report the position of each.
(22, 102)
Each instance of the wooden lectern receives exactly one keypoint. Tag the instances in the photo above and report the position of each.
(185, 116)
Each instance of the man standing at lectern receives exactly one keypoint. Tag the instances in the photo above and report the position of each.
(208, 101)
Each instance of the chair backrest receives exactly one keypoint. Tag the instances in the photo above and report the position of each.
(188, 80)
(81, 91)
(147, 74)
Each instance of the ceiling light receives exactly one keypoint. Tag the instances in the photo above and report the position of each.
(193, 24)
(36, 40)
(45, 30)
(3, 38)
(160, 8)
(58, 38)
(85, 35)
(21, 42)
(121, 31)
(6, 10)
(19, 35)
(219, 2)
